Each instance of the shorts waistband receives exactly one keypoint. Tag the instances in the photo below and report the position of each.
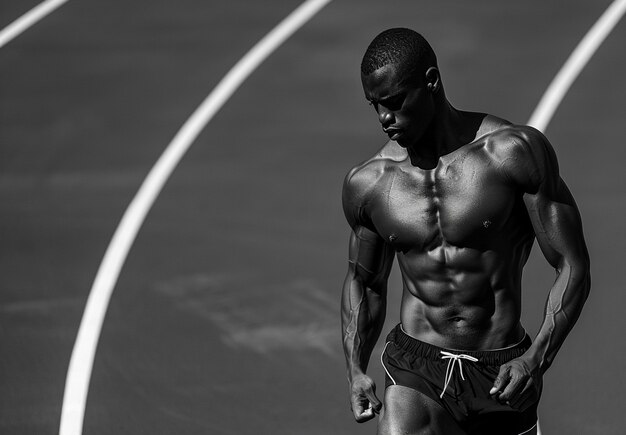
(429, 351)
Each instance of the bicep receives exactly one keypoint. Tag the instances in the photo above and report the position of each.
(556, 222)
(369, 256)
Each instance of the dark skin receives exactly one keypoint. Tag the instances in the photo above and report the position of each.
(458, 198)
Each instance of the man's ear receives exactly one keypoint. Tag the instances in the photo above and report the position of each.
(433, 79)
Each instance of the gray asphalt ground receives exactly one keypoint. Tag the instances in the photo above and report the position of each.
(226, 316)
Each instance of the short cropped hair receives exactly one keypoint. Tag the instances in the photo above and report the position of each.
(405, 48)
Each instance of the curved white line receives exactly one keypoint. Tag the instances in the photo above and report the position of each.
(536, 425)
(570, 70)
(28, 19)
(575, 63)
(81, 362)
(382, 361)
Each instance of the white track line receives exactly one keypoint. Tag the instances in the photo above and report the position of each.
(81, 362)
(571, 69)
(28, 19)
(576, 62)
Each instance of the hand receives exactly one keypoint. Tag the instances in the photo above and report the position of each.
(364, 403)
(518, 384)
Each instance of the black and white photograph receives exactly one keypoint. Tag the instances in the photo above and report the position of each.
(312, 217)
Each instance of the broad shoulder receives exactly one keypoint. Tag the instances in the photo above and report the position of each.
(362, 180)
(364, 176)
(523, 154)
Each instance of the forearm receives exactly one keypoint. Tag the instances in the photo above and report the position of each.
(363, 315)
(563, 307)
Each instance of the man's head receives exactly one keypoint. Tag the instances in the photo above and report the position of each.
(401, 80)
(405, 48)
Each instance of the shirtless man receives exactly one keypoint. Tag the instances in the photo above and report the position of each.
(458, 197)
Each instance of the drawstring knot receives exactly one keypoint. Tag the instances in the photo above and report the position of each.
(452, 360)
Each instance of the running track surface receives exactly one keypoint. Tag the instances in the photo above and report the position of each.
(225, 319)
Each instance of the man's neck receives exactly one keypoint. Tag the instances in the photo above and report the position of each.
(449, 130)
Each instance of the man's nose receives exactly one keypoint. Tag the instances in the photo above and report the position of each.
(385, 116)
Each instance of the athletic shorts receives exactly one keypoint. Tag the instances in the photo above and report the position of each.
(459, 381)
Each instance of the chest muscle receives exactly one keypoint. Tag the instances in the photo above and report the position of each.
(455, 204)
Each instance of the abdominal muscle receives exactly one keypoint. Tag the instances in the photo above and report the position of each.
(465, 305)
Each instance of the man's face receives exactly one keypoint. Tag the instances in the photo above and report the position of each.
(405, 107)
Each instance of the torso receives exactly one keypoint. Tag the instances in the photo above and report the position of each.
(462, 236)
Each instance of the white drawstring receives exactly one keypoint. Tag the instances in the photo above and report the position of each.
(453, 359)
